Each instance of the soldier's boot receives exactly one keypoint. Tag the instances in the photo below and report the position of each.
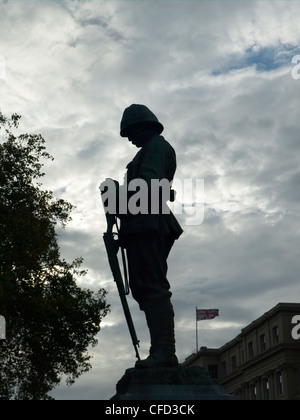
(160, 320)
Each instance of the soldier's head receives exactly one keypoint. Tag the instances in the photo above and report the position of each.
(139, 124)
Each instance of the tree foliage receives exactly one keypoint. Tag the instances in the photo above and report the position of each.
(50, 321)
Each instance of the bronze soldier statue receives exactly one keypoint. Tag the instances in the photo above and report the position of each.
(148, 238)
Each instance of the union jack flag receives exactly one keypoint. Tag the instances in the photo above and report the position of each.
(202, 314)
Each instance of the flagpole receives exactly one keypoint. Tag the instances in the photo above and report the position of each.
(196, 332)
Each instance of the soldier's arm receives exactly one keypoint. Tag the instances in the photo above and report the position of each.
(156, 163)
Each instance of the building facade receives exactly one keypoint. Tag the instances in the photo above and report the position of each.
(263, 361)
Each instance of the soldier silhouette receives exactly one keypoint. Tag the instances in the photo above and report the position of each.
(148, 238)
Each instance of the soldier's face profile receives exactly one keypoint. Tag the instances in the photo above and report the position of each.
(136, 135)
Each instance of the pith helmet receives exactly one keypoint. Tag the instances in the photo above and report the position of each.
(135, 114)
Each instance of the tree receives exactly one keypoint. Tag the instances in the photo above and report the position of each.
(50, 321)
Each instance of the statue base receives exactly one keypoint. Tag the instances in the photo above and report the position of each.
(175, 383)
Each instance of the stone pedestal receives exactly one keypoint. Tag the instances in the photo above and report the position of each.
(176, 383)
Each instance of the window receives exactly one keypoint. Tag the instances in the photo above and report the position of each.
(275, 335)
(250, 350)
(233, 363)
(266, 388)
(262, 342)
(279, 383)
(252, 391)
(213, 371)
(223, 369)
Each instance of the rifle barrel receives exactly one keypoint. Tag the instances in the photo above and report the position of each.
(112, 249)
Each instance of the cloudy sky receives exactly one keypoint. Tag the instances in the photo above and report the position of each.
(219, 76)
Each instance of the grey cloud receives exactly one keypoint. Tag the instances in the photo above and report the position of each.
(105, 24)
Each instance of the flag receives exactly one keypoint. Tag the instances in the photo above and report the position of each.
(202, 314)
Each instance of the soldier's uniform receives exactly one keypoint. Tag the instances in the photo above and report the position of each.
(148, 239)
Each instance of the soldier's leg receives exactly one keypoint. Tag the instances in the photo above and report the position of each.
(147, 262)
(160, 320)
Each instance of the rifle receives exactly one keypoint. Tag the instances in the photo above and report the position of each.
(112, 244)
